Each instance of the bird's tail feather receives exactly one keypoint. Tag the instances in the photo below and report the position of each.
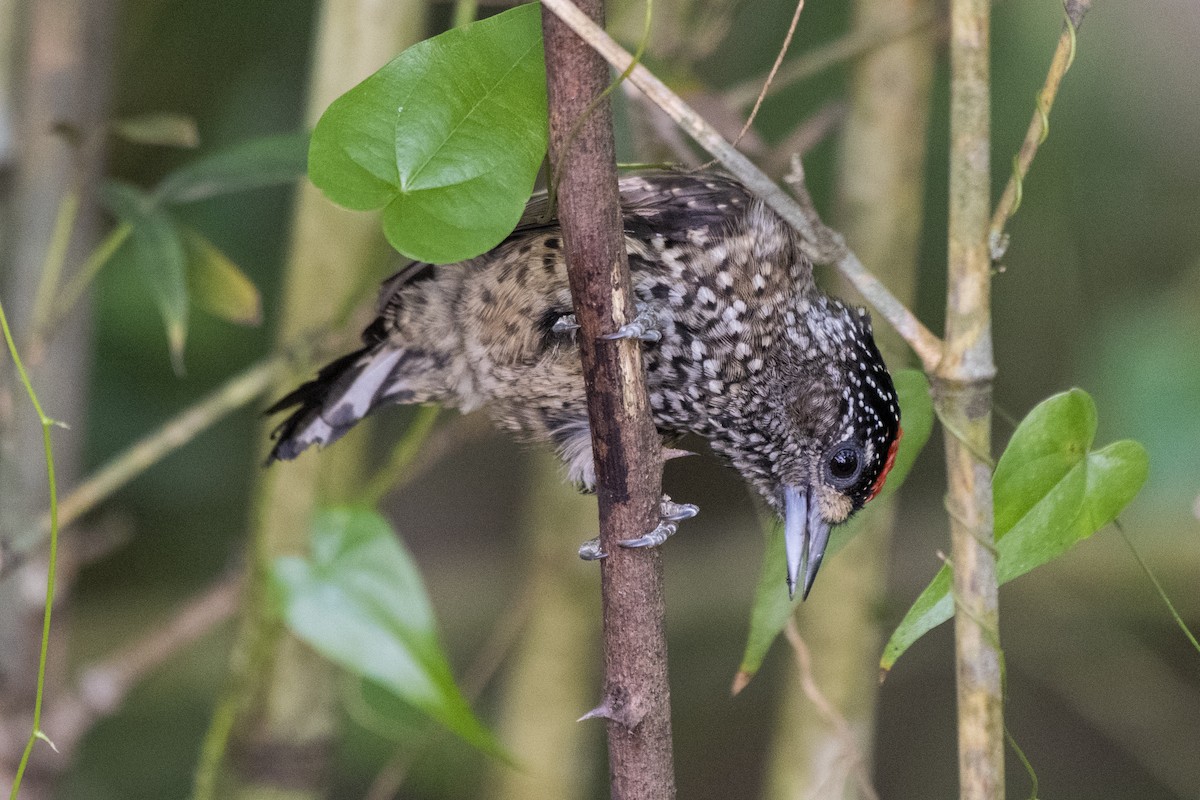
(343, 392)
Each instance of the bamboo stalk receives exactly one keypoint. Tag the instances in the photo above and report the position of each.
(963, 394)
(273, 731)
(879, 208)
(65, 49)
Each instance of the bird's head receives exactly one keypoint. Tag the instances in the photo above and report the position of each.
(834, 426)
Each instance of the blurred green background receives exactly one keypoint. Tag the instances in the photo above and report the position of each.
(1101, 289)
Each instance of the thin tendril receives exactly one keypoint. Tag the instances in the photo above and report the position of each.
(766, 87)
(1157, 586)
(36, 732)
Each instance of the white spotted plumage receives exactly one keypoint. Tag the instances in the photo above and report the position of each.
(752, 355)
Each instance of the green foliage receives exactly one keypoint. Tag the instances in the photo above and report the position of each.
(772, 606)
(1050, 491)
(252, 164)
(447, 138)
(216, 284)
(181, 265)
(157, 251)
(158, 128)
(360, 602)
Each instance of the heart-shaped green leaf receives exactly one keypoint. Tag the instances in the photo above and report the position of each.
(158, 253)
(359, 601)
(1050, 490)
(447, 138)
(771, 604)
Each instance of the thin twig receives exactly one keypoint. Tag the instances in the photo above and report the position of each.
(819, 59)
(556, 170)
(829, 712)
(103, 685)
(823, 245)
(1039, 126)
(628, 461)
(478, 675)
(239, 391)
(762, 94)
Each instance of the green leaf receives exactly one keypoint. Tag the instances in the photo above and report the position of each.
(447, 138)
(159, 128)
(216, 284)
(1050, 490)
(360, 602)
(252, 164)
(771, 604)
(771, 608)
(158, 254)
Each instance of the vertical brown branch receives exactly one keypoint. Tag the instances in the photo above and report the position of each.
(964, 396)
(628, 458)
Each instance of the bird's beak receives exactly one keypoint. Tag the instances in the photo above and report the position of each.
(805, 535)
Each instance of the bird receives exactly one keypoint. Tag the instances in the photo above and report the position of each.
(740, 346)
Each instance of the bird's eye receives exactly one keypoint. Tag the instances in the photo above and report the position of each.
(845, 464)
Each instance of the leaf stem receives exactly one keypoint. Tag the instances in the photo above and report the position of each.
(56, 256)
(52, 563)
(96, 260)
(403, 455)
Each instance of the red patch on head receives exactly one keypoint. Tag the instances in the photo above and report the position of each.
(887, 466)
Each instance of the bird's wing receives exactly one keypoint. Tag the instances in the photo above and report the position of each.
(658, 199)
(670, 208)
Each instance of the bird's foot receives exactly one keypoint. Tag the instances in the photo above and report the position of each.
(670, 514)
(565, 324)
(644, 327)
(591, 550)
(675, 512)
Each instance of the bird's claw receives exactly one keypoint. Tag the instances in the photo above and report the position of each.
(644, 327)
(591, 550)
(674, 512)
(565, 324)
(634, 330)
(670, 514)
(654, 538)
